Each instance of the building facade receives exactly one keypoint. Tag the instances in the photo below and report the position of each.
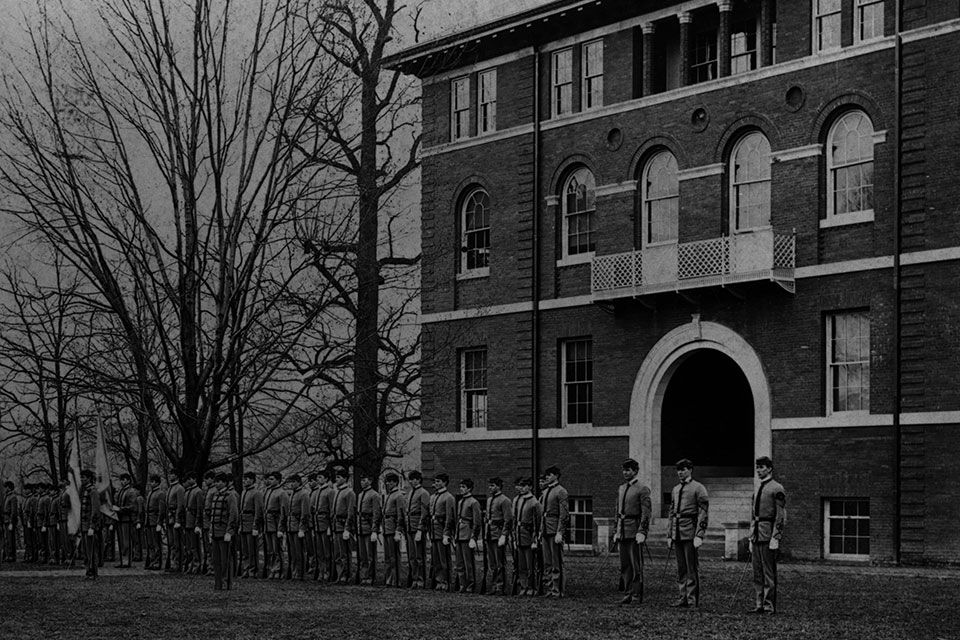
(702, 229)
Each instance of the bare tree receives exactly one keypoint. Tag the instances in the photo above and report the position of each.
(158, 164)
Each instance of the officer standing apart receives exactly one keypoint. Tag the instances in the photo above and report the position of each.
(556, 519)
(633, 522)
(687, 527)
(766, 530)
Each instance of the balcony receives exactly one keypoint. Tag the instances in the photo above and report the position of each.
(762, 255)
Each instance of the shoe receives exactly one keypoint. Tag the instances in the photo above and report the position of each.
(768, 612)
(755, 610)
(679, 604)
(627, 599)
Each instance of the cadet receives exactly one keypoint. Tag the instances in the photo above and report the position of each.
(125, 508)
(393, 530)
(556, 520)
(527, 518)
(322, 516)
(30, 523)
(274, 527)
(633, 523)
(689, 506)
(67, 541)
(54, 516)
(499, 524)
(298, 525)
(155, 515)
(417, 521)
(251, 523)
(194, 524)
(344, 523)
(89, 520)
(766, 530)
(43, 516)
(139, 542)
(224, 519)
(310, 542)
(176, 512)
(469, 530)
(369, 517)
(206, 540)
(11, 513)
(443, 515)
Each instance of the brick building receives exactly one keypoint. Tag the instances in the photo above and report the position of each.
(709, 229)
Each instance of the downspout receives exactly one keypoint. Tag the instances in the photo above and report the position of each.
(897, 338)
(535, 276)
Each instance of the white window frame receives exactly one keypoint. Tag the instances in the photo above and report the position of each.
(736, 186)
(566, 214)
(582, 506)
(860, 9)
(848, 217)
(487, 101)
(566, 383)
(828, 517)
(478, 391)
(591, 91)
(821, 17)
(465, 233)
(647, 201)
(561, 88)
(458, 109)
(711, 64)
(754, 54)
(863, 362)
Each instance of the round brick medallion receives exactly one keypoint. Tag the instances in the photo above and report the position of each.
(795, 98)
(699, 119)
(614, 139)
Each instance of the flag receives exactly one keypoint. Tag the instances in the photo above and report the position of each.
(73, 486)
(103, 475)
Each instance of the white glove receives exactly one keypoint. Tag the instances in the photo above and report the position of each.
(159, 529)
(697, 542)
(255, 533)
(176, 525)
(43, 529)
(9, 527)
(90, 532)
(197, 530)
(558, 538)
(299, 534)
(418, 536)
(280, 534)
(502, 542)
(750, 544)
(472, 544)
(346, 535)
(397, 537)
(641, 538)
(226, 537)
(138, 525)
(669, 543)
(774, 544)
(115, 507)
(446, 541)
(376, 537)
(534, 544)
(616, 537)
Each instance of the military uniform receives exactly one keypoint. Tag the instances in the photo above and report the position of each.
(499, 525)
(206, 539)
(126, 520)
(54, 512)
(689, 507)
(527, 518)
(155, 515)
(323, 528)
(393, 529)
(66, 540)
(42, 517)
(11, 516)
(194, 530)
(274, 529)
(344, 521)
(140, 504)
(556, 521)
(369, 516)
(224, 519)
(469, 530)
(176, 509)
(89, 521)
(417, 520)
(769, 516)
(633, 518)
(30, 528)
(298, 529)
(251, 525)
(443, 517)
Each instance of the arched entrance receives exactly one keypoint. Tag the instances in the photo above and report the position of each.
(677, 408)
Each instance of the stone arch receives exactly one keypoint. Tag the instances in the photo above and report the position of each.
(650, 385)
(566, 166)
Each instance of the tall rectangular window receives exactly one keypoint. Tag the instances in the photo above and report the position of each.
(848, 362)
(868, 20)
(593, 74)
(577, 372)
(846, 524)
(826, 25)
(562, 82)
(487, 101)
(473, 383)
(460, 108)
(743, 47)
(581, 521)
(704, 65)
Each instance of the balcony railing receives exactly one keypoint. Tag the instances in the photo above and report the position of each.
(742, 257)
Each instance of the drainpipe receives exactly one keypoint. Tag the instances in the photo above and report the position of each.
(897, 339)
(535, 276)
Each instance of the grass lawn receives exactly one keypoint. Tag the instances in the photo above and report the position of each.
(815, 602)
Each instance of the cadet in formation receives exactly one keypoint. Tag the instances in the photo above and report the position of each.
(632, 526)
(766, 530)
(689, 507)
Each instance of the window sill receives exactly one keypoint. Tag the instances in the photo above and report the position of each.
(738, 232)
(474, 274)
(579, 425)
(665, 243)
(847, 557)
(579, 258)
(844, 219)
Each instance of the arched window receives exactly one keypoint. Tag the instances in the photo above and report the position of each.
(660, 199)
(579, 207)
(475, 223)
(750, 183)
(850, 165)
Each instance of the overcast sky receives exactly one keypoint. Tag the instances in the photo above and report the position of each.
(441, 17)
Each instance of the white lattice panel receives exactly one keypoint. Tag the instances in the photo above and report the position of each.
(703, 258)
(784, 251)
